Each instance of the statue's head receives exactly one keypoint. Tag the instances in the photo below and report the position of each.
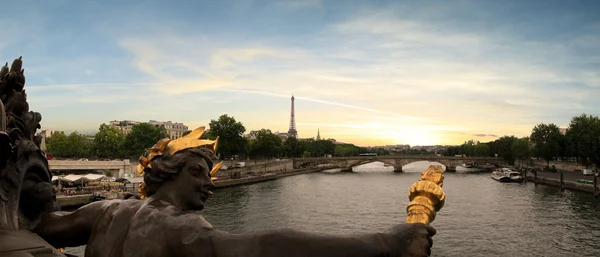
(181, 168)
(25, 188)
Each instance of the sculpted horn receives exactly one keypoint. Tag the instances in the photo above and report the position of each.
(2, 117)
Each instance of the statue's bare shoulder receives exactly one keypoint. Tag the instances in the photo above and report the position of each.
(139, 222)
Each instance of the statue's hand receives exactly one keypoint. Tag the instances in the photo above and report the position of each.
(411, 240)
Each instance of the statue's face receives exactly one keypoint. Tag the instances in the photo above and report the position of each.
(26, 169)
(194, 183)
(37, 193)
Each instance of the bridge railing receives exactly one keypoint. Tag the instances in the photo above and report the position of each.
(416, 157)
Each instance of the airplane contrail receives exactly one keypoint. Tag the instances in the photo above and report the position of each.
(259, 92)
(322, 102)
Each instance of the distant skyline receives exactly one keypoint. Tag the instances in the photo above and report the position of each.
(363, 72)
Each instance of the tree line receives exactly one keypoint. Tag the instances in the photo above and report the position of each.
(581, 141)
(109, 142)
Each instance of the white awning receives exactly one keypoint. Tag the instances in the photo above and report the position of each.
(136, 179)
(94, 177)
(73, 178)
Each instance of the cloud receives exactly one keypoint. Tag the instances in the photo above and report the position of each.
(296, 4)
(364, 67)
(429, 73)
(485, 135)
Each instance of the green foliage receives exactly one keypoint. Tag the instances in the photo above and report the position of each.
(267, 144)
(504, 148)
(230, 132)
(292, 147)
(108, 142)
(141, 137)
(344, 150)
(481, 150)
(470, 148)
(74, 145)
(320, 148)
(57, 144)
(546, 139)
(583, 138)
(520, 148)
(306, 154)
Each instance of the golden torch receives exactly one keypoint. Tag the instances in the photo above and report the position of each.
(426, 196)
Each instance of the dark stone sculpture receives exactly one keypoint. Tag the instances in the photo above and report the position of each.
(25, 189)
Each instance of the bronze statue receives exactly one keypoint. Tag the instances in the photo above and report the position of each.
(25, 189)
(166, 220)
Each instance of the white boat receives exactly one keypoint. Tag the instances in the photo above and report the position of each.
(487, 166)
(507, 175)
(468, 168)
(467, 165)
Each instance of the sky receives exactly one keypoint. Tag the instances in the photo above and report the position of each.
(362, 72)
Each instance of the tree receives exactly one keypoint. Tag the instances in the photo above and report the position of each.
(320, 148)
(57, 144)
(230, 132)
(141, 137)
(74, 145)
(108, 142)
(582, 138)
(504, 148)
(292, 147)
(342, 150)
(546, 139)
(267, 144)
(520, 149)
(468, 148)
(481, 150)
(306, 154)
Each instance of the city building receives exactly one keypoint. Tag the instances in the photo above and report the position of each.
(318, 134)
(252, 135)
(282, 135)
(48, 133)
(124, 126)
(174, 129)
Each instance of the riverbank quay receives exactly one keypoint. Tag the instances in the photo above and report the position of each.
(263, 177)
(244, 180)
(566, 180)
(75, 201)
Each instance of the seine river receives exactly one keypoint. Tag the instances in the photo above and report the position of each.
(481, 217)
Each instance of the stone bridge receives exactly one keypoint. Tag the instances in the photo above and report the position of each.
(122, 167)
(397, 161)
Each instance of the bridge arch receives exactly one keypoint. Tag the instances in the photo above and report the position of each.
(346, 163)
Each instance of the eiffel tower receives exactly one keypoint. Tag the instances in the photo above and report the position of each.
(292, 131)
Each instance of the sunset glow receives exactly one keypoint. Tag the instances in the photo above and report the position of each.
(363, 72)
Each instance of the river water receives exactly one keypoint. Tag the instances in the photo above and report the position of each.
(481, 217)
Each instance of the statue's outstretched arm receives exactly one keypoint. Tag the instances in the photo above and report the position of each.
(70, 229)
(404, 240)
